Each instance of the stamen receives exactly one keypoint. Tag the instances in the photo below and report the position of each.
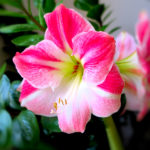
(62, 101)
(59, 100)
(65, 102)
(55, 105)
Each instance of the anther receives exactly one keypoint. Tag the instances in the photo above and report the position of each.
(55, 105)
(65, 101)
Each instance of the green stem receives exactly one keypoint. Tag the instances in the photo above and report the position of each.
(32, 18)
(29, 7)
(112, 134)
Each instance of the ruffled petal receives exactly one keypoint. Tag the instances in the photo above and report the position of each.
(63, 24)
(37, 100)
(132, 74)
(40, 65)
(143, 35)
(125, 45)
(96, 52)
(105, 98)
(75, 115)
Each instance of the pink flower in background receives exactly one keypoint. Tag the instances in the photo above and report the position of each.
(131, 71)
(71, 73)
(143, 36)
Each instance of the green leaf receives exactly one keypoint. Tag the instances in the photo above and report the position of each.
(41, 16)
(107, 16)
(92, 3)
(4, 91)
(59, 2)
(104, 27)
(25, 131)
(49, 5)
(11, 14)
(96, 12)
(114, 30)
(50, 124)
(80, 4)
(18, 28)
(123, 104)
(95, 25)
(5, 129)
(14, 95)
(37, 3)
(14, 3)
(2, 69)
(26, 40)
(85, 4)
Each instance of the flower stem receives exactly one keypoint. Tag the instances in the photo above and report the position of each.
(112, 134)
(32, 18)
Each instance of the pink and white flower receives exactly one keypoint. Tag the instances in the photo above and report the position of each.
(71, 73)
(143, 36)
(131, 71)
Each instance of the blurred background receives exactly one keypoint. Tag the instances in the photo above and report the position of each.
(135, 135)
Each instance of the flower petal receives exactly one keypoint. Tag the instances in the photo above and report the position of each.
(132, 74)
(96, 52)
(37, 100)
(63, 24)
(75, 115)
(125, 45)
(105, 98)
(143, 35)
(40, 65)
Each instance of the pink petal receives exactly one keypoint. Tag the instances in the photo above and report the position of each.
(37, 100)
(134, 96)
(125, 45)
(63, 24)
(39, 64)
(96, 52)
(143, 35)
(75, 116)
(105, 98)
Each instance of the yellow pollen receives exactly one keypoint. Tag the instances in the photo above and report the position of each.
(65, 101)
(62, 101)
(59, 100)
(55, 105)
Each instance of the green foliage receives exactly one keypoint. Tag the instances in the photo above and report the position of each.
(25, 133)
(49, 5)
(14, 3)
(14, 95)
(5, 129)
(4, 12)
(85, 4)
(50, 125)
(2, 69)
(114, 29)
(123, 104)
(97, 13)
(26, 40)
(17, 28)
(4, 91)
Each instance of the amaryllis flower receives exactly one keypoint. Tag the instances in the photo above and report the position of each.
(71, 73)
(143, 36)
(131, 71)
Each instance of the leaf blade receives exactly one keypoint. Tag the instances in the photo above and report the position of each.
(26, 40)
(18, 28)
